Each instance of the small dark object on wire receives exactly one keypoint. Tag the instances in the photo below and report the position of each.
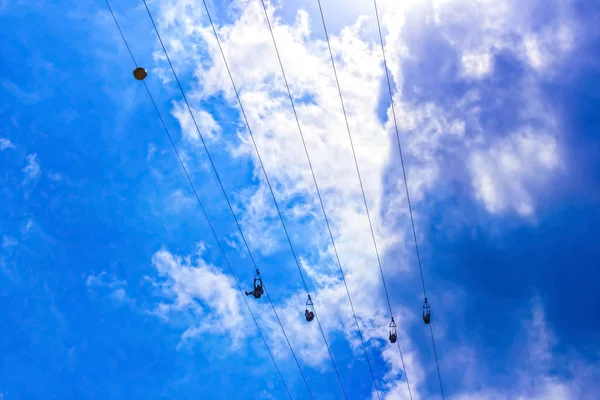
(393, 334)
(140, 73)
(309, 313)
(258, 287)
(426, 312)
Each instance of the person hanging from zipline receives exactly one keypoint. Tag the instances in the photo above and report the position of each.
(258, 287)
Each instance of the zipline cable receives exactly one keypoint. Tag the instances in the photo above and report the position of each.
(192, 186)
(319, 196)
(223, 189)
(412, 220)
(360, 181)
(289, 240)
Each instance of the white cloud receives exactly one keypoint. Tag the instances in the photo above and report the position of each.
(540, 339)
(189, 285)
(32, 170)
(209, 128)
(26, 227)
(504, 175)
(103, 281)
(259, 221)
(477, 65)
(533, 53)
(5, 144)
(8, 242)
(56, 176)
(544, 50)
(495, 26)
(151, 152)
(178, 202)
(22, 95)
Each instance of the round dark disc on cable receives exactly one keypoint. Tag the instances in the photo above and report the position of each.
(140, 73)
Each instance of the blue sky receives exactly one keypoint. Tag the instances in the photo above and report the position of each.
(113, 286)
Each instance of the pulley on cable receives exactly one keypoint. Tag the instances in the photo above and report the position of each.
(309, 313)
(140, 73)
(426, 312)
(258, 286)
(393, 334)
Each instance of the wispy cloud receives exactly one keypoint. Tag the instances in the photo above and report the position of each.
(534, 370)
(151, 152)
(26, 227)
(178, 202)
(32, 170)
(5, 144)
(23, 96)
(8, 242)
(506, 174)
(477, 65)
(209, 128)
(103, 281)
(56, 176)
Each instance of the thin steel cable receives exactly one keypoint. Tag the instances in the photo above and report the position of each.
(360, 181)
(319, 195)
(279, 213)
(193, 187)
(224, 192)
(412, 220)
(436, 359)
